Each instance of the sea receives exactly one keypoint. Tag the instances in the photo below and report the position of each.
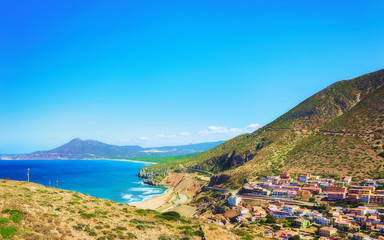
(108, 179)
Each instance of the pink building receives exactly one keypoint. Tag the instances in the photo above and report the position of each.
(313, 190)
(334, 196)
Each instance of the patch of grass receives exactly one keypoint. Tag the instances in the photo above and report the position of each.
(8, 231)
(170, 216)
(16, 217)
(87, 215)
(144, 212)
(143, 227)
(4, 220)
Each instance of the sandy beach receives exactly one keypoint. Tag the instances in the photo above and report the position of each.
(155, 202)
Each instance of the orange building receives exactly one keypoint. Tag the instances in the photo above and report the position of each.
(336, 188)
(327, 231)
(377, 199)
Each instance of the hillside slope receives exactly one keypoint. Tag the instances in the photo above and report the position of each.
(336, 132)
(33, 211)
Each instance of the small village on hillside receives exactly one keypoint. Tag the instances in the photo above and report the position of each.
(305, 207)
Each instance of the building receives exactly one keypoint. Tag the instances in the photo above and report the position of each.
(376, 199)
(279, 214)
(365, 198)
(234, 200)
(334, 196)
(280, 193)
(285, 234)
(347, 180)
(353, 197)
(292, 194)
(361, 211)
(321, 220)
(303, 194)
(360, 236)
(327, 231)
(313, 190)
(379, 192)
(336, 188)
(342, 224)
(255, 190)
(290, 188)
(357, 193)
(301, 223)
(304, 177)
(284, 178)
(289, 208)
(369, 181)
(372, 188)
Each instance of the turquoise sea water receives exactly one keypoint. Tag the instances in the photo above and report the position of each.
(107, 179)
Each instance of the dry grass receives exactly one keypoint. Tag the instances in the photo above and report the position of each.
(50, 213)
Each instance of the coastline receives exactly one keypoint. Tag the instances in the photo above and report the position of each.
(109, 159)
(154, 202)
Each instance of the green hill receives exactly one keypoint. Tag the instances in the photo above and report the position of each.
(92, 149)
(336, 132)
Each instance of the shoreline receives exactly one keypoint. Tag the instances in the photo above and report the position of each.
(145, 204)
(122, 160)
(154, 202)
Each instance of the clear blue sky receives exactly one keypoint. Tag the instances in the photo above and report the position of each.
(171, 72)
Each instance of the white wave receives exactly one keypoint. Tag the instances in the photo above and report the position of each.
(127, 196)
(146, 191)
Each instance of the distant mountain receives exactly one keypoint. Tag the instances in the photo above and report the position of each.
(338, 131)
(92, 149)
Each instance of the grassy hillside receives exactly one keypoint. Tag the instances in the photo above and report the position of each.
(338, 132)
(33, 211)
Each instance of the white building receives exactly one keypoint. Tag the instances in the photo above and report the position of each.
(233, 200)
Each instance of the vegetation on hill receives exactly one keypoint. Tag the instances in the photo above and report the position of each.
(166, 159)
(33, 211)
(338, 131)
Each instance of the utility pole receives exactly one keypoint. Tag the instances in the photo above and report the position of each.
(28, 174)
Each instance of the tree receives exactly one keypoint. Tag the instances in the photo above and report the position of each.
(295, 237)
(270, 219)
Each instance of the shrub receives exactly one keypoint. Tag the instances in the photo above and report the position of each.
(143, 227)
(270, 219)
(87, 215)
(170, 216)
(131, 236)
(16, 217)
(79, 226)
(295, 237)
(144, 212)
(120, 228)
(4, 220)
(241, 233)
(7, 231)
(164, 237)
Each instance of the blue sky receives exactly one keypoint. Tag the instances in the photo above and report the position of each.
(159, 73)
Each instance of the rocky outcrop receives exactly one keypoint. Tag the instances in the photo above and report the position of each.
(224, 162)
(152, 176)
(218, 179)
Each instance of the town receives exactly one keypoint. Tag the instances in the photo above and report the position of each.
(304, 207)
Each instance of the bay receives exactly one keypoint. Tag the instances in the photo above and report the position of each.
(108, 179)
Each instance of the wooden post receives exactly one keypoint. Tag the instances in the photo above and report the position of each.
(28, 174)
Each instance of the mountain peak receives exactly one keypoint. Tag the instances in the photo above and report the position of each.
(76, 140)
